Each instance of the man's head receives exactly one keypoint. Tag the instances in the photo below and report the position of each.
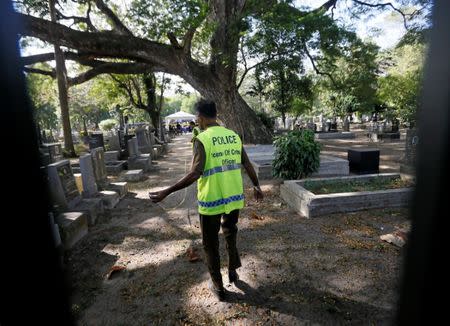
(206, 112)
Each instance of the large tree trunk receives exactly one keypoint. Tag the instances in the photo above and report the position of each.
(237, 115)
(152, 108)
(61, 75)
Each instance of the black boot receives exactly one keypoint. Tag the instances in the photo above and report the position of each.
(220, 294)
(232, 275)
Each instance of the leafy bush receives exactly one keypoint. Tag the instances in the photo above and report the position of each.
(81, 149)
(107, 124)
(297, 155)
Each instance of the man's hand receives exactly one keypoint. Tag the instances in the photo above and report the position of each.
(157, 196)
(257, 192)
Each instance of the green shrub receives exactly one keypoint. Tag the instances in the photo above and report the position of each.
(297, 155)
(107, 124)
(81, 149)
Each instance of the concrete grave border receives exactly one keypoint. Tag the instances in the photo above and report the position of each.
(310, 205)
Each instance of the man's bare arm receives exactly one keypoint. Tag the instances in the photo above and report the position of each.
(198, 163)
(252, 175)
(249, 168)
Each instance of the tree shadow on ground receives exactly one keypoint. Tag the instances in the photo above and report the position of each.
(299, 299)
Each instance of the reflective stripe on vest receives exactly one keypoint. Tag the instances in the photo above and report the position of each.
(222, 168)
(222, 201)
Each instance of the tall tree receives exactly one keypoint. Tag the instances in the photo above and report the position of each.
(399, 83)
(61, 75)
(172, 35)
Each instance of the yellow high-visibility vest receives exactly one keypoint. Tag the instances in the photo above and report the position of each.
(220, 188)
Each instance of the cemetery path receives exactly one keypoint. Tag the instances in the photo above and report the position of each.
(327, 270)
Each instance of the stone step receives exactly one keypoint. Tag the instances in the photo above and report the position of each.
(115, 167)
(111, 156)
(110, 198)
(92, 207)
(134, 175)
(140, 163)
(73, 227)
(120, 187)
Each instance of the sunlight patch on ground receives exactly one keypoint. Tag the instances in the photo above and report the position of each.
(135, 253)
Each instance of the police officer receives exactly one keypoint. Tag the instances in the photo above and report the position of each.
(195, 131)
(218, 156)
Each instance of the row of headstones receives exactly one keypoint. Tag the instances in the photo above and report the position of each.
(147, 142)
(78, 200)
(135, 159)
(382, 131)
(77, 212)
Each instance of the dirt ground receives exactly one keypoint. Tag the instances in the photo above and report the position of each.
(296, 271)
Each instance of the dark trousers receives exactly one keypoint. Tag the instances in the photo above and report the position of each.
(210, 225)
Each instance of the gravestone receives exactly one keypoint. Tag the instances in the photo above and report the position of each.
(123, 142)
(96, 140)
(143, 140)
(364, 160)
(112, 163)
(89, 185)
(411, 147)
(74, 226)
(114, 143)
(346, 125)
(54, 150)
(62, 186)
(333, 126)
(133, 148)
(385, 131)
(98, 164)
(44, 157)
(136, 160)
(158, 147)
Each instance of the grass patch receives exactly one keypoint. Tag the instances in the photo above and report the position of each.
(337, 186)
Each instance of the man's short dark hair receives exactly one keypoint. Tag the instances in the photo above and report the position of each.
(206, 108)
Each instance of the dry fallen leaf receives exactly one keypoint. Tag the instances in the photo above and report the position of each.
(114, 270)
(192, 255)
(255, 216)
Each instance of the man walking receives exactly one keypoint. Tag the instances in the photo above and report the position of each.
(218, 156)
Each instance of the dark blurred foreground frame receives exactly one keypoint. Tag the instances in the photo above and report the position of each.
(33, 286)
(423, 298)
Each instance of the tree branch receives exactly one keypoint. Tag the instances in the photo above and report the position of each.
(317, 69)
(327, 5)
(137, 90)
(118, 25)
(271, 57)
(77, 19)
(125, 87)
(110, 68)
(162, 56)
(51, 73)
(32, 59)
(173, 40)
(128, 91)
(386, 4)
(187, 40)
